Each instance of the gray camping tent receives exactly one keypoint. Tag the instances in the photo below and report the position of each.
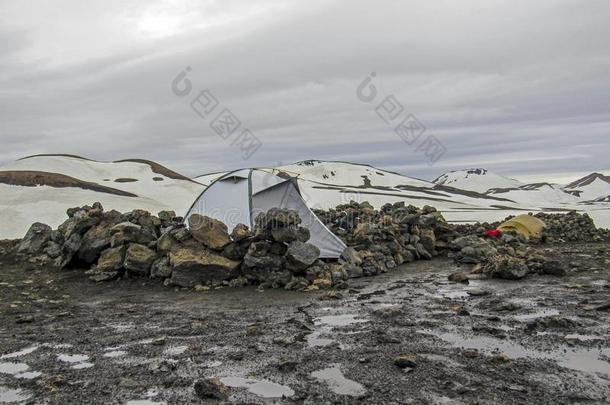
(239, 196)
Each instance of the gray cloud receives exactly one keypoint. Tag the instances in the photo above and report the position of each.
(521, 89)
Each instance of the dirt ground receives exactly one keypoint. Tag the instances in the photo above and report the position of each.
(542, 340)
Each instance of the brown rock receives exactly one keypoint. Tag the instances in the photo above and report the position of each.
(209, 231)
(139, 258)
(458, 277)
(199, 266)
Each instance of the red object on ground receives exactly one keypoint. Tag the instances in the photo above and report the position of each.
(493, 232)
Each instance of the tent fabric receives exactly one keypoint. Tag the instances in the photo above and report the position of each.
(526, 225)
(238, 197)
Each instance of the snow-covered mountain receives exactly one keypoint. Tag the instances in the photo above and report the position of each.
(326, 184)
(41, 188)
(543, 195)
(525, 194)
(479, 180)
(463, 195)
(590, 187)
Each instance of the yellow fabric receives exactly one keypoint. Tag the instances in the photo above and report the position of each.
(526, 225)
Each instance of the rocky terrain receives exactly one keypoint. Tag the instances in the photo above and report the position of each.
(139, 309)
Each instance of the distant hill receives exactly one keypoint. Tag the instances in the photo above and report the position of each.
(41, 188)
(479, 180)
(590, 187)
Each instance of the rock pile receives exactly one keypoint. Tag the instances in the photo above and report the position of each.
(572, 227)
(276, 253)
(508, 257)
(137, 244)
(387, 238)
(560, 227)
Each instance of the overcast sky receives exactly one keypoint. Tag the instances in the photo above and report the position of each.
(519, 87)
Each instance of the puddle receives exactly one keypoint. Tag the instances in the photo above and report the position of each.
(314, 339)
(19, 370)
(29, 375)
(538, 314)
(115, 353)
(454, 294)
(21, 352)
(13, 368)
(8, 395)
(584, 338)
(175, 350)
(262, 388)
(338, 320)
(79, 366)
(337, 382)
(325, 325)
(443, 359)
(585, 360)
(78, 361)
(122, 327)
(73, 358)
(58, 345)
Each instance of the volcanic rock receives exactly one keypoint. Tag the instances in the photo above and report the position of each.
(209, 231)
(191, 267)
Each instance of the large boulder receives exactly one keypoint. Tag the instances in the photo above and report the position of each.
(277, 218)
(209, 231)
(69, 250)
(98, 238)
(111, 259)
(472, 249)
(301, 255)
(128, 232)
(166, 242)
(506, 267)
(81, 219)
(110, 265)
(199, 266)
(161, 268)
(240, 232)
(285, 234)
(35, 239)
(139, 258)
(269, 262)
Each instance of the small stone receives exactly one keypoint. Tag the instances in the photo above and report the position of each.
(24, 319)
(477, 292)
(159, 341)
(458, 277)
(502, 357)
(240, 232)
(211, 388)
(407, 360)
(470, 353)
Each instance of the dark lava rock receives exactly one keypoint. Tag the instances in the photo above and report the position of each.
(506, 267)
(211, 388)
(35, 238)
(458, 277)
(301, 255)
(406, 360)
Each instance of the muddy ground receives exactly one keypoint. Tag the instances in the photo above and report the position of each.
(543, 340)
